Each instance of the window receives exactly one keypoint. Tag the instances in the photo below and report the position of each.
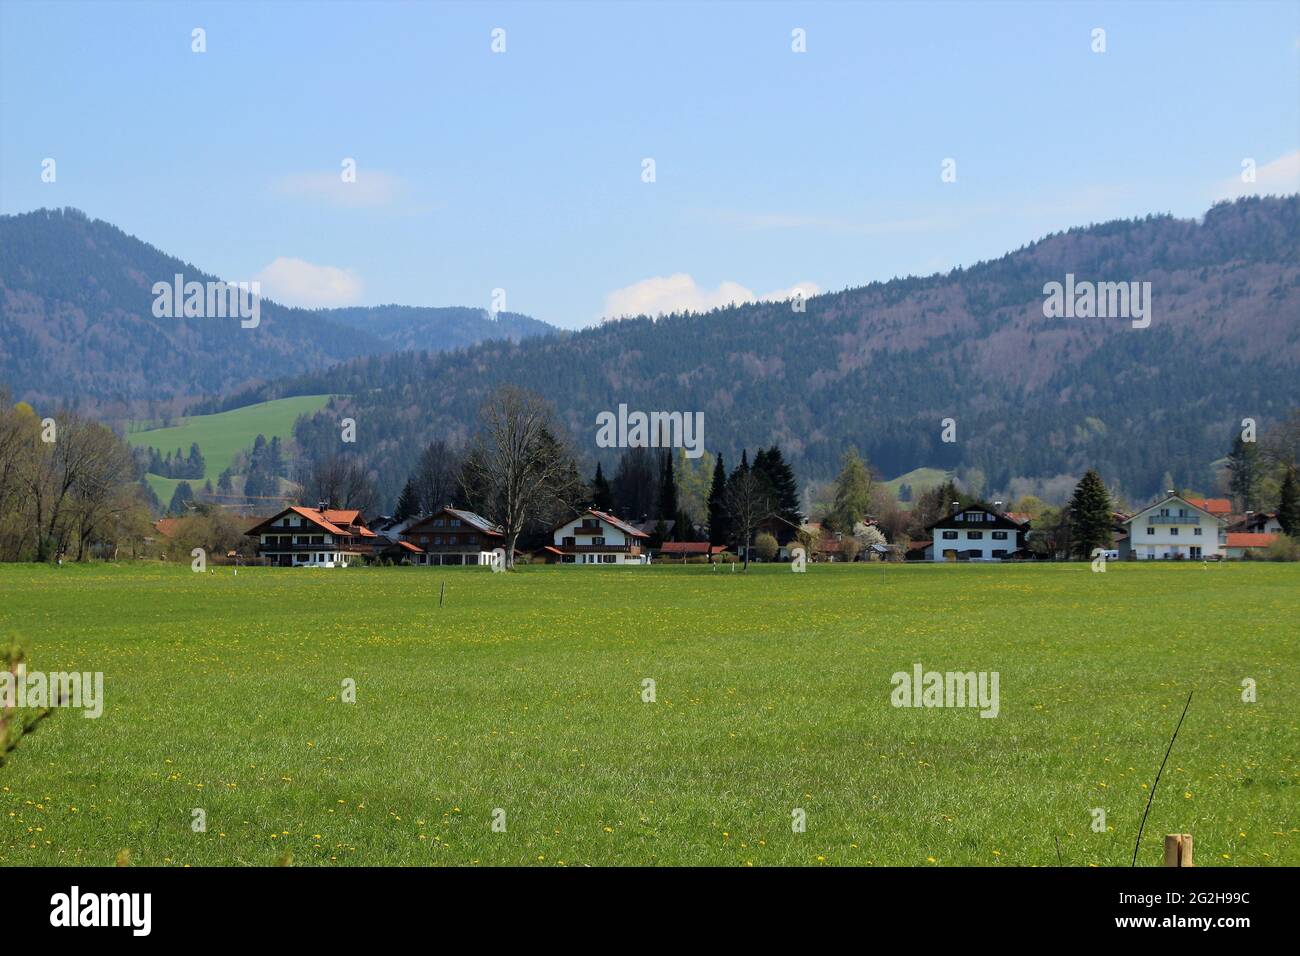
(598, 539)
(999, 536)
(1174, 532)
(1196, 530)
(607, 558)
(950, 536)
(975, 535)
(455, 522)
(1151, 530)
(437, 539)
(439, 523)
(569, 542)
(1000, 553)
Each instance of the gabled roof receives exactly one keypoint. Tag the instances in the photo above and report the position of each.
(1249, 539)
(616, 522)
(1215, 506)
(476, 521)
(325, 520)
(999, 520)
(315, 517)
(1168, 498)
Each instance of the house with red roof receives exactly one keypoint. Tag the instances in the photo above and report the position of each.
(595, 537)
(454, 536)
(1244, 544)
(1176, 527)
(300, 537)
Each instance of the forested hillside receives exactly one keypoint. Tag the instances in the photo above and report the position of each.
(77, 322)
(879, 367)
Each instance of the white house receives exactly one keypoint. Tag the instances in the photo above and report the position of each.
(977, 533)
(595, 537)
(1175, 528)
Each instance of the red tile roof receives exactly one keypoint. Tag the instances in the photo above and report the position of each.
(621, 525)
(1215, 506)
(691, 547)
(166, 526)
(1249, 539)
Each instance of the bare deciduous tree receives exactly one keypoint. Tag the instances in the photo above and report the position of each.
(340, 481)
(747, 500)
(517, 468)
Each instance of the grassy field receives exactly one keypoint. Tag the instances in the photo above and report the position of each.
(222, 435)
(524, 693)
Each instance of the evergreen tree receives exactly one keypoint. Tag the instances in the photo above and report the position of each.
(719, 526)
(408, 502)
(780, 478)
(684, 528)
(1288, 509)
(182, 497)
(1090, 515)
(602, 499)
(667, 488)
(1244, 473)
(194, 464)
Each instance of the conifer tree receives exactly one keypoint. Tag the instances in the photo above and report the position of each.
(1288, 511)
(719, 527)
(602, 499)
(1090, 515)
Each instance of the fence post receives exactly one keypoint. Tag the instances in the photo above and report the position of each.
(1178, 849)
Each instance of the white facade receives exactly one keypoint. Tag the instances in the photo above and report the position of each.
(990, 543)
(1175, 528)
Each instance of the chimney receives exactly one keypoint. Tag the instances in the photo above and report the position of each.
(956, 505)
(997, 506)
(321, 505)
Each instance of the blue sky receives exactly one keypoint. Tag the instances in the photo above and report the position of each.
(522, 170)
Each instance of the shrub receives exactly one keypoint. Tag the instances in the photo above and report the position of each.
(1282, 548)
(766, 546)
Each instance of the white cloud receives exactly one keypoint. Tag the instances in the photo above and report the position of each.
(298, 282)
(1279, 177)
(372, 188)
(661, 295)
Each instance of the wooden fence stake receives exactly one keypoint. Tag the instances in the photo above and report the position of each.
(1178, 849)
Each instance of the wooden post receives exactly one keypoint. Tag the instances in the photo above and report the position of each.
(1178, 849)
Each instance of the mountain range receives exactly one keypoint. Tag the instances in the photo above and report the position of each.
(77, 322)
(1031, 395)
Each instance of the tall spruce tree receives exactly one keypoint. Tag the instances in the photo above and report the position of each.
(780, 477)
(1244, 473)
(602, 499)
(719, 526)
(408, 502)
(667, 488)
(1090, 516)
(1288, 509)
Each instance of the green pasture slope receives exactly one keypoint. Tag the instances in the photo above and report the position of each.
(222, 435)
(772, 692)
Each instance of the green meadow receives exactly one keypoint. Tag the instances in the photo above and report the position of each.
(223, 435)
(521, 700)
